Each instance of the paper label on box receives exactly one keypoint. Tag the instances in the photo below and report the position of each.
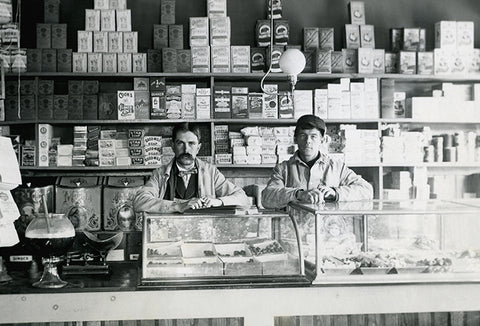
(130, 42)
(124, 62)
(199, 35)
(107, 20)
(109, 62)
(92, 20)
(220, 59)
(352, 36)
(126, 105)
(115, 42)
(124, 20)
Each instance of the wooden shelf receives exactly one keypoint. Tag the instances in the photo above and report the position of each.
(254, 76)
(409, 120)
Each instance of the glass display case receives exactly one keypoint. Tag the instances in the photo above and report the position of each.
(390, 241)
(217, 249)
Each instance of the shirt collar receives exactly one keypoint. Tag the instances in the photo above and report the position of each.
(320, 160)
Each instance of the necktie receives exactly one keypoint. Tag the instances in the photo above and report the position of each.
(188, 172)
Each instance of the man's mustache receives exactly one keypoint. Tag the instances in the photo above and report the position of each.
(185, 156)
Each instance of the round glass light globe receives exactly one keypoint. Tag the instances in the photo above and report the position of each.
(292, 62)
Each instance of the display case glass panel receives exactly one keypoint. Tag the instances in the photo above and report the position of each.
(390, 241)
(218, 248)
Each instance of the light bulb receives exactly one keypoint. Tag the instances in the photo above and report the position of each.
(292, 62)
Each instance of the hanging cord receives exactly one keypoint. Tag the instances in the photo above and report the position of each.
(18, 19)
(262, 86)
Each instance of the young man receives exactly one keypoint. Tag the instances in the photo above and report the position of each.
(311, 176)
(187, 182)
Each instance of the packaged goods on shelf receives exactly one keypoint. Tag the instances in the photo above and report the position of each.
(239, 102)
(126, 105)
(216, 8)
(352, 36)
(175, 36)
(220, 59)
(130, 42)
(188, 101)
(92, 20)
(44, 36)
(124, 20)
(124, 62)
(199, 32)
(367, 36)
(200, 59)
(184, 60)
(273, 58)
(59, 36)
(160, 36)
(222, 102)
(391, 63)
(270, 102)
(378, 61)
(281, 29)
(220, 31)
(323, 61)
(258, 59)
(357, 12)
(350, 60)
(240, 58)
(303, 103)
(173, 101)
(425, 63)
(167, 12)
(203, 103)
(49, 62)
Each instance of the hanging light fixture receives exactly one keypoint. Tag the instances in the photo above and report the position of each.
(292, 61)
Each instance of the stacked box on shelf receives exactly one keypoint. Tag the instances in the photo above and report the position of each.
(157, 98)
(92, 153)
(79, 145)
(45, 134)
(141, 89)
(136, 149)
(220, 136)
(361, 146)
(106, 147)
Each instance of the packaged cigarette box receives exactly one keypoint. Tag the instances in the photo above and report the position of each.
(378, 61)
(167, 12)
(126, 105)
(51, 11)
(367, 36)
(59, 36)
(201, 59)
(188, 101)
(199, 35)
(240, 59)
(203, 103)
(350, 60)
(216, 8)
(90, 107)
(324, 61)
(160, 36)
(92, 20)
(425, 63)
(310, 38)
(175, 36)
(262, 32)
(220, 31)
(357, 12)
(100, 41)
(49, 60)
(44, 36)
(130, 42)
(281, 32)
(124, 61)
(220, 59)
(169, 60)
(107, 20)
(142, 105)
(446, 35)
(124, 20)
(109, 62)
(240, 102)
(258, 61)
(94, 63)
(154, 60)
(139, 62)
(85, 41)
(184, 60)
(222, 102)
(326, 40)
(411, 39)
(352, 36)
(408, 62)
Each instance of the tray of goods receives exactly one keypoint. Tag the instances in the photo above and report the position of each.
(436, 265)
(200, 259)
(165, 250)
(165, 268)
(237, 259)
(332, 265)
(372, 263)
(274, 259)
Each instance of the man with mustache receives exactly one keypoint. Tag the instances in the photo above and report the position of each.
(311, 176)
(187, 182)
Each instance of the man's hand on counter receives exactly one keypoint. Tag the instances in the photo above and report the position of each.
(316, 196)
(198, 203)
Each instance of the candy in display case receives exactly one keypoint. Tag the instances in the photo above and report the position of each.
(389, 241)
(206, 249)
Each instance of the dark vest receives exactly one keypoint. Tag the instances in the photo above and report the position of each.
(175, 182)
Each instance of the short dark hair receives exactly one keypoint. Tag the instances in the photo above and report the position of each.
(185, 127)
(310, 121)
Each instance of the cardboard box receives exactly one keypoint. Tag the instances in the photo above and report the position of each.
(44, 87)
(117, 4)
(350, 60)
(92, 20)
(60, 107)
(200, 59)
(107, 20)
(49, 60)
(34, 60)
(124, 20)
(357, 12)
(240, 59)
(240, 102)
(396, 39)
(94, 64)
(142, 105)
(378, 61)
(130, 42)
(75, 107)
(126, 105)
(184, 60)
(160, 36)
(277, 51)
(124, 62)
(258, 59)
(365, 60)
(220, 31)
(303, 102)
(107, 106)
(411, 39)
(425, 63)
(167, 12)
(446, 35)
(45, 107)
(408, 62)
(367, 36)
(465, 39)
(44, 36)
(285, 105)
(169, 60)
(188, 101)
(100, 4)
(85, 41)
(222, 102)
(310, 38)
(199, 32)
(175, 36)
(391, 63)
(100, 41)
(173, 101)
(262, 32)
(139, 62)
(270, 102)
(154, 60)
(352, 36)
(59, 36)
(324, 61)
(220, 59)
(281, 32)
(109, 63)
(51, 11)
(90, 87)
(216, 8)
(90, 107)
(326, 39)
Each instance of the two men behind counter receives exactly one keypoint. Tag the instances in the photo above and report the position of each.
(308, 176)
